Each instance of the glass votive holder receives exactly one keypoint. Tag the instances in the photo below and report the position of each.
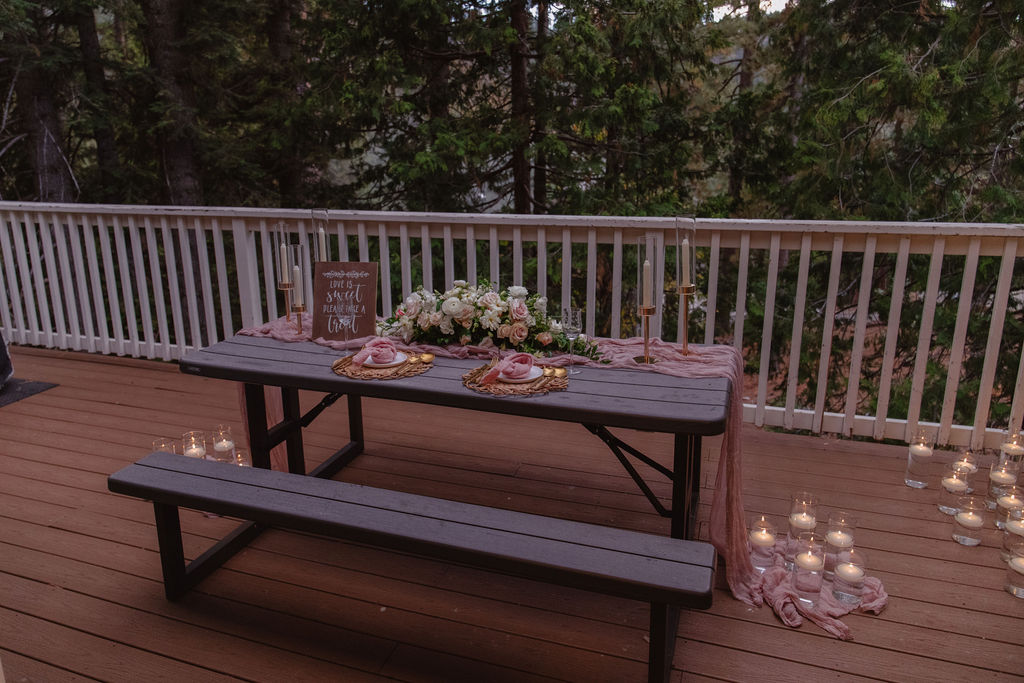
(1003, 474)
(919, 459)
(838, 538)
(848, 579)
(243, 459)
(955, 482)
(803, 517)
(1015, 572)
(967, 459)
(808, 566)
(1013, 533)
(968, 520)
(193, 444)
(1010, 498)
(223, 444)
(163, 445)
(1012, 447)
(762, 538)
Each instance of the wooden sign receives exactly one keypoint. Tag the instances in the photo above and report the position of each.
(344, 300)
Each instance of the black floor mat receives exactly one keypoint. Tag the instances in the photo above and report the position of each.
(17, 389)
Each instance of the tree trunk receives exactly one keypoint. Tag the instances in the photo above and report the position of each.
(520, 108)
(165, 31)
(40, 121)
(97, 101)
(540, 170)
(288, 167)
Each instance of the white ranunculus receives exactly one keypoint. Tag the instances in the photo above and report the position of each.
(517, 292)
(459, 283)
(451, 306)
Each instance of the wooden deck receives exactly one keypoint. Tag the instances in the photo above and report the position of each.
(80, 593)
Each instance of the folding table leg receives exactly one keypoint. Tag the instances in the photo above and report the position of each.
(172, 554)
(664, 625)
(292, 418)
(685, 486)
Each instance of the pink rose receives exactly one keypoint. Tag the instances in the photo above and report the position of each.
(465, 339)
(518, 309)
(544, 338)
(518, 333)
(490, 299)
(504, 330)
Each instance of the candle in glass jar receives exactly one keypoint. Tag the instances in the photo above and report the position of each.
(1015, 526)
(285, 275)
(840, 539)
(1010, 501)
(762, 538)
(298, 286)
(223, 445)
(971, 520)
(966, 465)
(802, 520)
(1013, 449)
(1002, 477)
(954, 485)
(648, 283)
(195, 451)
(809, 561)
(920, 450)
(1017, 564)
(685, 257)
(849, 572)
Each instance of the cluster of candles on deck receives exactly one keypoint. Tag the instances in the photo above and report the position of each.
(816, 562)
(217, 444)
(954, 477)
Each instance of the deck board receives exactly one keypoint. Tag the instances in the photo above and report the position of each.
(80, 593)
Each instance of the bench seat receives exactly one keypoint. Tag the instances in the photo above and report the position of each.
(667, 573)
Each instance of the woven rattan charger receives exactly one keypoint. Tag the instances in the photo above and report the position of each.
(414, 364)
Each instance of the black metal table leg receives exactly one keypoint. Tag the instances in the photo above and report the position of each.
(685, 486)
(296, 455)
(259, 438)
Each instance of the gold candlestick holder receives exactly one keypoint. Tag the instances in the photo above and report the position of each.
(645, 315)
(685, 292)
(287, 287)
(298, 310)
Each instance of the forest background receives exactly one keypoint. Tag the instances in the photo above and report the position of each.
(829, 109)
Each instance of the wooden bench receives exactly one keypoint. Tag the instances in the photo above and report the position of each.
(667, 573)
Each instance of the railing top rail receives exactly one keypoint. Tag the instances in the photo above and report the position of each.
(931, 229)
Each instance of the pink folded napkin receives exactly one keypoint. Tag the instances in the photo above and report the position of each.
(377, 350)
(516, 366)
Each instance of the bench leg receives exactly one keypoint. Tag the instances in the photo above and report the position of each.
(172, 555)
(664, 625)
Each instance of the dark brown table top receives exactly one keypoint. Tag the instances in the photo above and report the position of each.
(612, 397)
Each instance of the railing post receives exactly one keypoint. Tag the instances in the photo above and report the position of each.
(247, 282)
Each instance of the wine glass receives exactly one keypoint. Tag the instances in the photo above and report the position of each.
(572, 325)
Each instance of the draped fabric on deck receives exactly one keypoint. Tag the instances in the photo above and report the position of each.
(727, 528)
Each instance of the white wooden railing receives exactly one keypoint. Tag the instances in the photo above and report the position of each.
(155, 282)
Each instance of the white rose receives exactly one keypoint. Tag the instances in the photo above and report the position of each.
(446, 325)
(423, 320)
(541, 304)
(517, 292)
(412, 305)
(459, 283)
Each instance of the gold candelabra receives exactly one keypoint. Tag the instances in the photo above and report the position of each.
(287, 287)
(298, 309)
(685, 292)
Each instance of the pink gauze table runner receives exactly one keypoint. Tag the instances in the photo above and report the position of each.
(727, 527)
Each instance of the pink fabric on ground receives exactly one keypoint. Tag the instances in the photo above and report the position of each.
(775, 587)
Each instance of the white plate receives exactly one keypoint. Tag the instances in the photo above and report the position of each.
(535, 372)
(399, 359)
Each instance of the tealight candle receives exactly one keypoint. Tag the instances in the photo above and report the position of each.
(1010, 501)
(223, 445)
(840, 539)
(809, 561)
(1002, 477)
(849, 572)
(195, 452)
(1015, 526)
(971, 520)
(802, 520)
(920, 450)
(1017, 564)
(954, 485)
(1012, 449)
(762, 538)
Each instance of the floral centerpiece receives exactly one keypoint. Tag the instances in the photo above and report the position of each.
(480, 316)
